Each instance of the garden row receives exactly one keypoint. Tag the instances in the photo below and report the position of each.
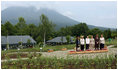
(55, 63)
(9, 56)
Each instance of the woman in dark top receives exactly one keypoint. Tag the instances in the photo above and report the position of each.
(77, 43)
(97, 42)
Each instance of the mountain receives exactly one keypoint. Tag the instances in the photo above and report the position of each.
(32, 15)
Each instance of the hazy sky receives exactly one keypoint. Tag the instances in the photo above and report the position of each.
(98, 13)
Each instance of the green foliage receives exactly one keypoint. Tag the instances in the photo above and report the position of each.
(28, 41)
(94, 31)
(8, 28)
(107, 33)
(68, 38)
(80, 29)
(46, 29)
(114, 34)
(89, 36)
(20, 43)
(45, 49)
(21, 26)
(69, 63)
(18, 55)
(65, 31)
(39, 39)
(113, 42)
(74, 38)
(46, 26)
(3, 30)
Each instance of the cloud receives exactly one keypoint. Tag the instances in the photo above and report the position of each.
(69, 14)
(91, 12)
(37, 4)
(108, 17)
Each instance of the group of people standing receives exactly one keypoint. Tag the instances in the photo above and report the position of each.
(91, 43)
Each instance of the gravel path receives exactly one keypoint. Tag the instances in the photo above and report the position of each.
(64, 54)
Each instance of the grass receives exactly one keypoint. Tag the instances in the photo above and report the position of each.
(113, 42)
(44, 49)
(69, 63)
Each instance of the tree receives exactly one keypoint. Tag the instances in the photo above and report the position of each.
(68, 37)
(9, 28)
(46, 26)
(114, 34)
(94, 31)
(39, 39)
(64, 31)
(80, 29)
(107, 33)
(21, 26)
(3, 30)
(31, 29)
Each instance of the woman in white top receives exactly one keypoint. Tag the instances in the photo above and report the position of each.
(102, 42)
(82, 43)
(92, 43)
(87, 42)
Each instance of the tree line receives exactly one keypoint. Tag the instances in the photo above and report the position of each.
(46, 30)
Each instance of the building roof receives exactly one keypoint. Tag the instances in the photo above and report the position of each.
(3, 40)
(59, 39)
(16, 39)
